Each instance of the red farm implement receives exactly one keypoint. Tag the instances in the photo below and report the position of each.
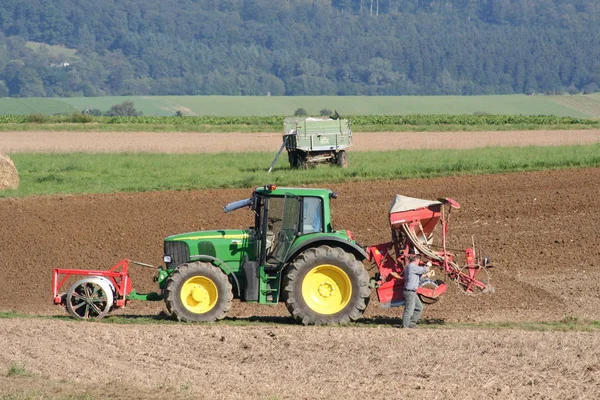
(101, 291)
(413, 222)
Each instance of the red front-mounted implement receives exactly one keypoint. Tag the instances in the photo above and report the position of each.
(413, 222)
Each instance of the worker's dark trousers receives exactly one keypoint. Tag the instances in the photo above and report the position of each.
(412, 309)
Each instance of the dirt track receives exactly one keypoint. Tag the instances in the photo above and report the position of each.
(188, 142)
(539, 228)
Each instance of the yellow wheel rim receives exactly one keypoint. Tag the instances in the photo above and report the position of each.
(199, 294)
(326, 289)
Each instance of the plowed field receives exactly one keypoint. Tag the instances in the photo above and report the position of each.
(541, 230)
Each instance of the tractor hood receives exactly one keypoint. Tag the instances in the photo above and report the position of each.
(227, 246)
(210, 235)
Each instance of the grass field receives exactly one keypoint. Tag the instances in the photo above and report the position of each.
(10, 106)
(580, 106)
(56, 51)
(73, 173)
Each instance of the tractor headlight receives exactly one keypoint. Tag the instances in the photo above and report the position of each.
(167, 259)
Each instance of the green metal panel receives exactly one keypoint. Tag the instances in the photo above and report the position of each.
(229, 246)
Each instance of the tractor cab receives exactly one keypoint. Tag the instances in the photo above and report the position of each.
(281, 217)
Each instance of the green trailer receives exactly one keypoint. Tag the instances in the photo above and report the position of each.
(317, 140)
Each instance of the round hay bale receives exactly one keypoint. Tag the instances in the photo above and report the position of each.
(9, 177)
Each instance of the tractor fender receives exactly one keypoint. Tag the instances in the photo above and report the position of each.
(333, 241)
(220, 264)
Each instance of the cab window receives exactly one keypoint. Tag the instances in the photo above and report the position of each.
(312, 215)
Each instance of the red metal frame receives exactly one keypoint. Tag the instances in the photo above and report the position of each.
(393, 256)
(118, 275)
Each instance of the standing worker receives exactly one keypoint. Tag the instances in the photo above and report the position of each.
(412, 304)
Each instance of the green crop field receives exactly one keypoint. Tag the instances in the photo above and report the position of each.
(44, 174)
(579, 106)
(10, 106)
(345, 105)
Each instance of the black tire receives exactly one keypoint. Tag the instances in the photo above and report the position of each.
(301, 162)
(341, 159)
(292, 159)
(205, 289)
(332, 269)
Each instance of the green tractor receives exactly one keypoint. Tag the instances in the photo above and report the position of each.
(292, 254)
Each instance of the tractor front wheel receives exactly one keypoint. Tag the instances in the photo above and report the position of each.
(326, 285)
(198, 292)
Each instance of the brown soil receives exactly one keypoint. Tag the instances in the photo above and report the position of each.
(188, 142)
(540, 229)
(69, 360)
(9, 177)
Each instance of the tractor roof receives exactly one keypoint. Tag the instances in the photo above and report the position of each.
(282, 191)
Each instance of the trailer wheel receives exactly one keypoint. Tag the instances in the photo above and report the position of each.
(326, 285)
(301, 161)
(90, 298)
(198, 292)
(292, 158)
(341, 159)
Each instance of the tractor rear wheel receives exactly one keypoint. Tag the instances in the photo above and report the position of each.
(326, 285)
(198, 292)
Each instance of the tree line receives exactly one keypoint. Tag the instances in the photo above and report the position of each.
(299, 47)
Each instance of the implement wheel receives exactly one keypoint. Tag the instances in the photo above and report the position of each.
(90, 298)
(198, 292)
(326, 285)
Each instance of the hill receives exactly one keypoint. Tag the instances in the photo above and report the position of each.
(298, 47)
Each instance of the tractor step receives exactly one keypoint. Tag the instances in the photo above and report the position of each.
(268, 286)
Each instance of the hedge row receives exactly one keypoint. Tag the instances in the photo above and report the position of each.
(276, 121)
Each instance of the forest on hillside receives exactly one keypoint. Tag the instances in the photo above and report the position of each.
(298, 47)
